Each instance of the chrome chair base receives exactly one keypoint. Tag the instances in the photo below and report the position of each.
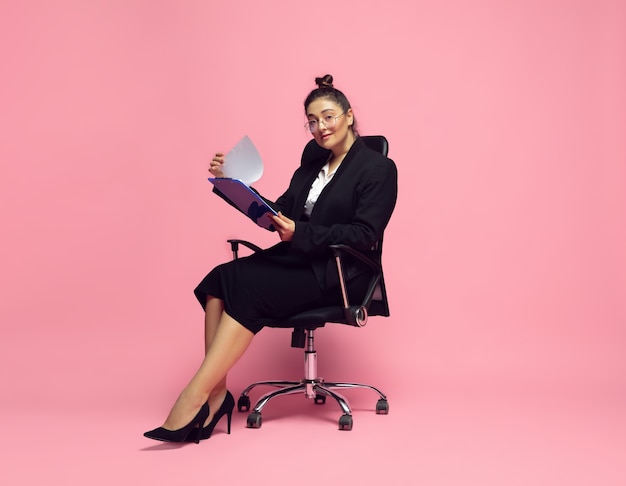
(312, 387)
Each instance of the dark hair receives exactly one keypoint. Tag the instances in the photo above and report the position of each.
(325, 89)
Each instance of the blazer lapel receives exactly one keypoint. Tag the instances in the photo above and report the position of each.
(345, 163)
(309, 178)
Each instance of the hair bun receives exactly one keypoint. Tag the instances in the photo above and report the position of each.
(324, 82)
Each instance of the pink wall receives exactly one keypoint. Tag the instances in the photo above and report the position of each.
(504, 260)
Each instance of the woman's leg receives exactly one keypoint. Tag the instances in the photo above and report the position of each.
(230, 340)
(214, 309)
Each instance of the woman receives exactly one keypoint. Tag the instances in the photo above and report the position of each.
(345, 197)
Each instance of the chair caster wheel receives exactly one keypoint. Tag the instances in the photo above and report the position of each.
(320, 399)
(382, 407)
(254, 420)
(345, 422)
(243, 404)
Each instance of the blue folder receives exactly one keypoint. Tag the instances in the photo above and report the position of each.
(240, 195)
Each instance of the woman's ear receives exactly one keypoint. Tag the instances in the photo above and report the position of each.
(350, 117)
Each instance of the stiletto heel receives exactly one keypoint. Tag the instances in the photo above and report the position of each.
(182, 434)
(229, 416)
(225, 409)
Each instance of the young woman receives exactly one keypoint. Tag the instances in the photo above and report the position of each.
(345, 197)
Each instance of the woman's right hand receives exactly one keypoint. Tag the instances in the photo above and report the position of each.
(216, 165)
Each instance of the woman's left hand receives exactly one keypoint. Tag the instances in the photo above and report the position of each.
(284, 226)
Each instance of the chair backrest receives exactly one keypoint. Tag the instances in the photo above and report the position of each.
(377, 143)
(380, 304)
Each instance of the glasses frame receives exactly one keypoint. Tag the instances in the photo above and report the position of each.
(307, 125)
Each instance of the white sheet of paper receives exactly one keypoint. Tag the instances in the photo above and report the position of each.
(243, 162)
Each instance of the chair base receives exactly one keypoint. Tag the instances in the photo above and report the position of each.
(315, 389)
(312, 387)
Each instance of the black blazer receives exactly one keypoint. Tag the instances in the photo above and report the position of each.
(353, 209)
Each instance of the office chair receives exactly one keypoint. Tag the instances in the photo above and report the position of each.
(304, 324)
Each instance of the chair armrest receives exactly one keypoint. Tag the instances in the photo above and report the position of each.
(234, 246)
(338, 249)
(356, 315)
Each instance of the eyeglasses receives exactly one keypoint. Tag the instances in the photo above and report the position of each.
(329, 121)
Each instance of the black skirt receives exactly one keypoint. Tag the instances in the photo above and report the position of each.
(272, 284)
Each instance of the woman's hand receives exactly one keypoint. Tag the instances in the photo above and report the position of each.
(284, 226)
(216, 165)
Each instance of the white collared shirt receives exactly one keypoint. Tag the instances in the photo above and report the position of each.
(323, 178)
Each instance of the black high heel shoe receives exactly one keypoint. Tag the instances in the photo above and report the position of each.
(182, 434)
(225, 409)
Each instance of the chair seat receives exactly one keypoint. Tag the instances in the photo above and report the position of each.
(312, 319)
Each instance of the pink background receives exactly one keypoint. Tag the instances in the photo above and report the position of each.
(504, 356)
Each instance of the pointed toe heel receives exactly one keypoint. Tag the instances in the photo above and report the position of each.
(182, 434)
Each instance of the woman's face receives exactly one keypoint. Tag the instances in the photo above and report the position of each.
(332, 126)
